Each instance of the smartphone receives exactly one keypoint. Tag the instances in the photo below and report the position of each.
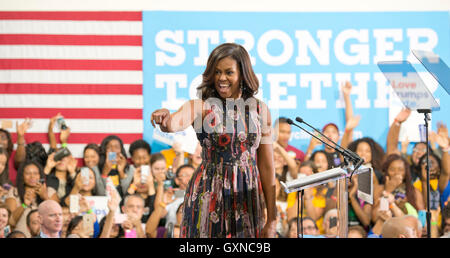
(112, 156)
(145, 172)
(60, 154)
(130, 233)
(88, 223)
(42, 181)
(85, 175)
(168, 184)
(62, 123)
(333, 222)
(119, 218)
(384, 204)
(74, 203)
(6, 231)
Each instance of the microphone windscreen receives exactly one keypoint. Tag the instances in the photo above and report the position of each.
(289, 121)
(299, 119)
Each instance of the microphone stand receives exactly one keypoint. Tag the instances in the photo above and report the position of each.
(347, 154)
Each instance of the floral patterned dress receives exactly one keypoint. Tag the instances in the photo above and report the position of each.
(224, 197)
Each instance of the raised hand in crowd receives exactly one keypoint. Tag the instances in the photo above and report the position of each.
(394, 131)
(405, 144)
(313, 143)
(21, 131)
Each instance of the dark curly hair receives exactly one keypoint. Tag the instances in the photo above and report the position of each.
(248, 78)
(410, 190)
(376, 149)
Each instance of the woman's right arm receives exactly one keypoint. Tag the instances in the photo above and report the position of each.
(179, 120)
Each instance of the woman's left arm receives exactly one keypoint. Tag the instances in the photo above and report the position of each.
(267, 173)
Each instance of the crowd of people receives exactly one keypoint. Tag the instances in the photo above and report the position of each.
(45, 193)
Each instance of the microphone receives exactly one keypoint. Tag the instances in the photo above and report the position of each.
(348, 154)
(289, 121)
(337, 147)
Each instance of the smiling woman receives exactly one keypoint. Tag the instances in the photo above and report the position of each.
(235, 182)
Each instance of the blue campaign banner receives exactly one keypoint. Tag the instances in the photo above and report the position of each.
(300, 59)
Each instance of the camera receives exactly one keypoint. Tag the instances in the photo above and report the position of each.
(60, 154)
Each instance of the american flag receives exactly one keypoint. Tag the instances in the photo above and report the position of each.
(86, 65)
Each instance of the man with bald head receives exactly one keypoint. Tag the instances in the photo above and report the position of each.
(398, 227)
(51, 219)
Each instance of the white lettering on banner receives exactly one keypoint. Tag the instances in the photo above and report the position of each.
(321, 51)
(316, 80)
(383, 91)
(203, 37)
(341, 78)
(359, 88)
(415, 35)
(248, 40)
(288, 47)
(383, 45)
(172, 53)
(361, 50)
(276, 90)
(161, 58)
(171, 81)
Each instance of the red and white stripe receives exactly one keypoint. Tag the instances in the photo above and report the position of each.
(86, 65)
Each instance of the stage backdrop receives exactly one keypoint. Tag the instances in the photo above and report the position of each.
(107, 71)
(300, 59)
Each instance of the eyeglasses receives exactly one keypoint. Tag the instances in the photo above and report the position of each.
(420, 150)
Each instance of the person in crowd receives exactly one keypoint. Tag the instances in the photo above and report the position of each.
(291, 154)
(16, 234)
(331, 223)
(64, 135)
(82, 186)
(60, 175)
(4, 216)
(182, 177)
(110, 224)
(91, 155)
(439, 175)
(145, 187)
(31, 191)
(7, 188)
(33, 223)
(401, 195)
(67, 217)
(174, 155)
(285, 164)
(133, 208)
(307, 168)
(140, 152)
(194, 159)
(15, 157)
(446, 220)
(51, 219)
(281, 202)
(415, 223)
(356, 232)
(359, 211)
(419, 149)
(113, 163)
(310, 229)
(372, 153)
(398, 227)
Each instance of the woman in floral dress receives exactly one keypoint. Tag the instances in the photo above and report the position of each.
(232, 193)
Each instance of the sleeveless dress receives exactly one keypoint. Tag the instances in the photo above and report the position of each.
(224, 197)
